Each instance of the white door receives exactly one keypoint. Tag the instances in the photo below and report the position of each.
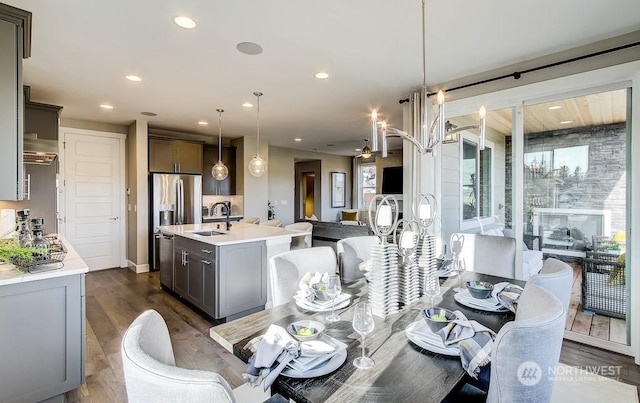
(92, 169)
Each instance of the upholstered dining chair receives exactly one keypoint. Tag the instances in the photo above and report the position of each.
(273, 223)
(525, 350)
(557, 277)
(494, 255)
(150, 370)
(286, 270)
(250, 220)
(351, 252)
(299, 242)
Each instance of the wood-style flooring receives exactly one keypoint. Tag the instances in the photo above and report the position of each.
(594, 325)
(115, 297)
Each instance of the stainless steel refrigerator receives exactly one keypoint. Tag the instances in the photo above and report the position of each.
(175, 199)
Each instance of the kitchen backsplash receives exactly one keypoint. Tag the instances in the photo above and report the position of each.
(237, 203)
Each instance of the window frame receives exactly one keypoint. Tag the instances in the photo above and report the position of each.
(467, 224)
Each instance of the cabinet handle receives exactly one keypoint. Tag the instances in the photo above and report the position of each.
(207, 262)
(206, 251)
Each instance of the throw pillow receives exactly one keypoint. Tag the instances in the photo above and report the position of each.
(349, 215)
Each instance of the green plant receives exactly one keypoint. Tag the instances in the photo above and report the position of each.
(11, 251)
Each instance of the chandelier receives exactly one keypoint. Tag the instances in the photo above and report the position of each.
(430, 135)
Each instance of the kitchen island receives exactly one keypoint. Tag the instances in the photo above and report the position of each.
(222, 273)
(42, 337)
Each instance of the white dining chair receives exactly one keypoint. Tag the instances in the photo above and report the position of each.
(250, 220)
(272, 223)
(493, 255)
(286, 270)
(300, 242)
(557, 277)
(353, 251)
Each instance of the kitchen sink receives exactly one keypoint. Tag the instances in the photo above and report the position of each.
(207, 233)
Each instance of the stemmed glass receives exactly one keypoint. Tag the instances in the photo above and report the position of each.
(363, 324)
(459, 267)
(432, 286)
(333, 290)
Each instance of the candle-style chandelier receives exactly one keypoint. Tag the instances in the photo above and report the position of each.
(429, 134)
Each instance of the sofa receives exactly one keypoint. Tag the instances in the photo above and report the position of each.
(327, 233)
(531, 258)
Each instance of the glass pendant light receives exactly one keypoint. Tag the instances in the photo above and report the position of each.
(366, 151)
(258, 165)
(219, 171)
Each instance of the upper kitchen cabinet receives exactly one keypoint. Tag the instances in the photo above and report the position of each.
(41, 119)
(15, 44)
(211, 186)
(174, 156)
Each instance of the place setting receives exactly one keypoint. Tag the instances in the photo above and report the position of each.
(484, 296)
(322, 292)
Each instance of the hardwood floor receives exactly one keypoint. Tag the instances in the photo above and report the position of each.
(115, 297)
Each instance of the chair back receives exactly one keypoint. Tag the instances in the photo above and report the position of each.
(353, 251)
(286, 270)
(149, 368)
(487, 254)
(273, 223)
(556, 277)
(526, 350)
(300, 242)
(250, 220)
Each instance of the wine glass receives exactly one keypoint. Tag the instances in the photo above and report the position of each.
(460, 267)
(363, 324)
(432, 286)
(333, 290)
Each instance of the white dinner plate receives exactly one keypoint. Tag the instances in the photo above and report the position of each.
(329, 366)
(488, 304)
(420, 334)
(304, 364)
(315, 308)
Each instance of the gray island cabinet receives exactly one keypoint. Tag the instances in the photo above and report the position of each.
(223, 274)
(42, 332)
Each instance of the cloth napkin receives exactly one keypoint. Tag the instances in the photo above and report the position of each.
(272, 352)
(507, 294)
(475, 342)
(311, 278)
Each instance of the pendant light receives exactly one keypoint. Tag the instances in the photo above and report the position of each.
(219, 171)
(257, 166)
(366, 151)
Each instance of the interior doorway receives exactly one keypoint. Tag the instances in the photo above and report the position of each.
(308, 190)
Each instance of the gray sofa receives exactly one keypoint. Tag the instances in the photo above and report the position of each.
(327, 233)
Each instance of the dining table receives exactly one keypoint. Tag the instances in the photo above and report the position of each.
(403, 371)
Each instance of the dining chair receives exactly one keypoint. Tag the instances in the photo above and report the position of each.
(557, 277)
(299, 242)
(493, 255)
(250, 220)
(286, 270)
(273, 223)
(351, 252)
(526, 350)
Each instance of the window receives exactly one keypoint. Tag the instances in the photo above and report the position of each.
(476, 180)
(368, 183)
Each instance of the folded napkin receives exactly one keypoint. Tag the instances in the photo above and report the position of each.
(309, 279)
(507, 294)
(475, 342)
(272, 352)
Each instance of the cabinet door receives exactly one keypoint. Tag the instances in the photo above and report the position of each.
(181, 271)
(166, 260)
(194, 279)
(161, 156)
(188, 157)
(209, 285)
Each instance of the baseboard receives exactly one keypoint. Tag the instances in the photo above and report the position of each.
(137, 268)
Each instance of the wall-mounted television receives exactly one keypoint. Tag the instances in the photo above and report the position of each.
(392, 180)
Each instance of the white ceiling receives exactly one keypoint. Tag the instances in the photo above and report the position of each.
(81, 51)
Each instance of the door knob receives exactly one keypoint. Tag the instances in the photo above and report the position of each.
(114, 218)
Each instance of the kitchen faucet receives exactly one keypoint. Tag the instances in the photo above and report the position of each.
(227, 211)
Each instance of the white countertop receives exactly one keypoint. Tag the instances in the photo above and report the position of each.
(239, 233)
(211, 217)
(73, 264)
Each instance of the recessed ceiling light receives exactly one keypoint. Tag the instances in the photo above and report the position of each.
(358, 149)
(566, 122)
(554, 107)
(132, 77)
(203, 122)
(106, 106)
(322, 75)
(297, 139)
(184, 22)
(249, 48)
(149, 113)
(247, 105)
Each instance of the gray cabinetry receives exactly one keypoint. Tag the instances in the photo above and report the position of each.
(42, 338)
(15, 32)
(211, 186)
(165, 261)
(223, 281)
(174, 156)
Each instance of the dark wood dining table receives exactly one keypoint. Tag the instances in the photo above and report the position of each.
(403, 371)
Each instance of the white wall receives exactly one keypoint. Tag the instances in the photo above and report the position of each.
(255, 190)
(282, 181)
